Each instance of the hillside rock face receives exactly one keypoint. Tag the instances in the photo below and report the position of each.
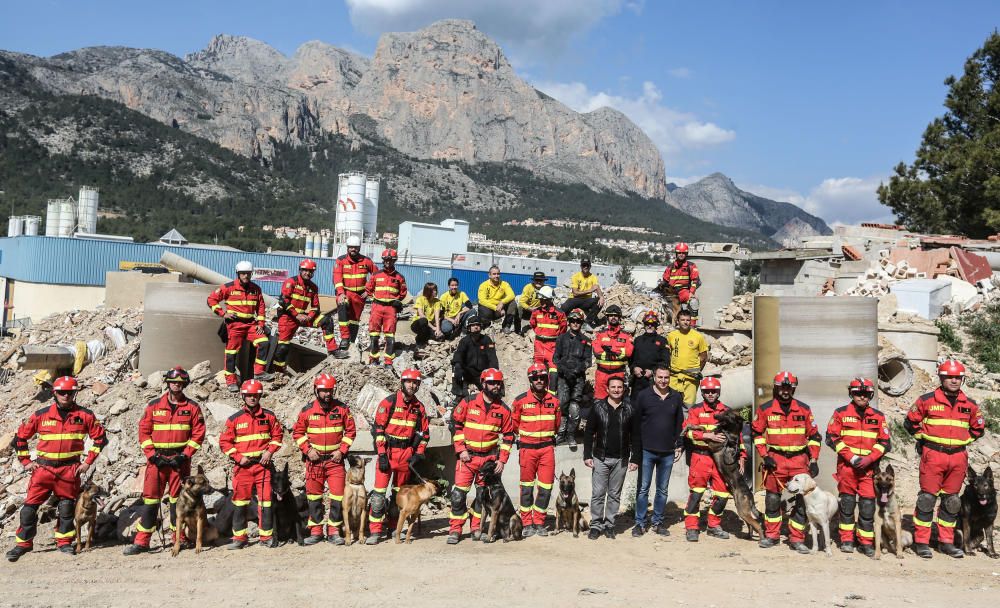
(444, 92)
(717, 199)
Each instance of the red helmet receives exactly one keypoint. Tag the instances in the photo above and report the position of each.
(412, 373)
(651, 318)
(681, 248)
(389, 254)
(178, 374)
(65, 383)
(951, 367)
(786, 378)
(710, 384)
(252, 387)
(576, 314)
(325, 381)
(537, 369)
(491, 375)
(307, 265)
(861, 385)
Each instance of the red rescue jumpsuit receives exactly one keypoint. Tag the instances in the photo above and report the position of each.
(548, 323)
(247, 303)
(327, 431)
(60, 444)
(385, 288)
(703, 473)
(685, 280)
(613, 364)
(792, 439)
(251, 433)
(349, 280)
(401, 430)
(943, 430)
(167, 430)
(301, 297)
(486, 430)
(853, 433)
(536, 420)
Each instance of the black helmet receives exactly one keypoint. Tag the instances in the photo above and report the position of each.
(614, 309)
(472, 320)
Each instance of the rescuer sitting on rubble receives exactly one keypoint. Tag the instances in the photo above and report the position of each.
(586, 293)
(528, 301)
(496, 301)
(455, 306)
(426, 323)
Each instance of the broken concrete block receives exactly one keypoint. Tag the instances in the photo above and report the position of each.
(5, 441)
(120, 407)
(219, 410)
(99, 388)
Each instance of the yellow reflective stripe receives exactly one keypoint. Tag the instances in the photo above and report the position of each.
(150, 501)
(160, 444)
(194, 444)
(61, 436)
(302, 440)
(171, 427)
(946, 524)
(241, 302)
(813, 442)
(795, 431)
(314, 497)
(537, 433)
(853, 433)
(326, 448)
(347, 440)
(846, 526)
(398, 436)
(140, 528)
(69, 534)
(355, 276)
(146, 443)
(944, 422)
(794, 524)
(326, 429)
(453, 515)
(458, 437)
(759, 440)
(920, 522)
(946, 441)
(786, 448)
(251, 454)
(721, 494)
(296, 296)
(505, 447)
(254, 437)
(400, 422)
(547, 325)
(544, 486)
(482, 444)
(58, 455)
(22, 452)
(277, 443)
(481, 427)
(537, 418)
(242, 315)
(772, 519)
(865, 533)
(879, 447)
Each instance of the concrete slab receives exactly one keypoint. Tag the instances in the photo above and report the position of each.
(178, 328)
(128, 289)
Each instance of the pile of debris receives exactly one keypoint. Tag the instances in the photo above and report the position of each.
(731, 351)
(738, 314)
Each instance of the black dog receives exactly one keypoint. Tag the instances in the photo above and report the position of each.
(289, 510)
(979, 513)
(499, 515)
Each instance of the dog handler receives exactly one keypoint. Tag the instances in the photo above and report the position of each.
(324, 432)
(484, 431)
(171, 430)
(787, 440)
(536, 419)
(858, 433)
(944, 422)
(250, 438)
(61, 428)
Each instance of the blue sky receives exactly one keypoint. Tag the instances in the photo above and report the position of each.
(802, 101)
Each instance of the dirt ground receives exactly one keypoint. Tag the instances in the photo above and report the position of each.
(556, 571)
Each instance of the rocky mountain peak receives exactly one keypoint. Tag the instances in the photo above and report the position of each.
(240, 57)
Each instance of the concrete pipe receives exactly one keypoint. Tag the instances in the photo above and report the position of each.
(201, 273)
(46, 357)
(895, 375)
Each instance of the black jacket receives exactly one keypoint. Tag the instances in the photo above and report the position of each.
(595, 436)
(657, 423)
(649, 350)
(573, 354)
(476, 351)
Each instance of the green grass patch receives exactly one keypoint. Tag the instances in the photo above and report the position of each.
(898, 433)
(984, 328)
(949, 336)
(991, 412)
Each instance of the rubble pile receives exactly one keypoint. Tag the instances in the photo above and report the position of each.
(634, 304)
(738, 314)
(731, 351)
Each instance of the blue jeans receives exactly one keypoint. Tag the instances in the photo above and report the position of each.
(663, 465)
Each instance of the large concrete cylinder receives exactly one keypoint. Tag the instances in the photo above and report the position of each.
(718, 279)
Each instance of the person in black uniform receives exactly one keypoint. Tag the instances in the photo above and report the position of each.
(475, 353)
(650, 350)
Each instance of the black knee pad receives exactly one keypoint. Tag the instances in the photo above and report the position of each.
(718, 504)
(847, 504)
(527, 494)
(866, 510)
(29, 515)
(336, 508)
(65, 508)
(772, 503)
(694, 502)
(542, 500)
(281, 352)
(457, 500)
(925, 502)
(378, 503)
(951, 504)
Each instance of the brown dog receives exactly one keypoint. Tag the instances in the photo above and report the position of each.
(410, 498)
(568, 509)
(87, 504)
(889, 533)
(192, 516)
(356, 500)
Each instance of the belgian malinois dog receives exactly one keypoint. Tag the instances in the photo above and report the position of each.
(192, 516)
(91, 499)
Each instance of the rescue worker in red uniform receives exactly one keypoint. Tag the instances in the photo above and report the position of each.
(401, 436)
(682, 275)
(699, 428)
(944, 423)
(350, 276)
(250, 438)
(484, 432)
(858, 433)
(548, 323)
(387, 289)
(536, 418)
(299, 307)
(324, 432)
(61, 428)
(787, 440)
(171, 430)
(612, 349)
(241, 304)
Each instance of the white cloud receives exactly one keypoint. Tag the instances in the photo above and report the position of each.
(681, 72)
(838, 200)
(535, 25)
(671, 130)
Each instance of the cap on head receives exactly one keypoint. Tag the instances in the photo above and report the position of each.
(786, 379)
(65, 383)
(681, 248)
(710, 384)
(538, 275)
(244, 266)
(585, 263)
(546, 293)
(307, 265)
(614, 309)
(178, 374)
(354, 241)
(389, 254)
(537, 369)
(951, 367)
(252, 387)
(326, 381)
(491, 375)
(412, 373)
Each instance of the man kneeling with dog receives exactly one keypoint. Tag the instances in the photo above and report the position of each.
(324, 432)
(251, 437)
(484, 432)
(170, 432)
(859, 435)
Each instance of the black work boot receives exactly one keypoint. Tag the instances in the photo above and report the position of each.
(799, 547)
(691, 536)
(336, 539)
(313, 539)
(718, 533)
(540, 530)
(341, 352)
(767, 542)
(372, 540)
(15, 554)
(951, 550)
(594, 534)
(847, 547)
(922, 550)
(134, 549)
(453, 538)
(236, 545)
(866, 550)
(67, 550)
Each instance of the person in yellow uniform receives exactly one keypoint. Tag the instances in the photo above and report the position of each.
(426, 323)
(587, 294)
(688, 356)
(528, 302)
(496, 301)
(454, 306)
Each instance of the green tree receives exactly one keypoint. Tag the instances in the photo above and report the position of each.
(624, 275)
(953, 185)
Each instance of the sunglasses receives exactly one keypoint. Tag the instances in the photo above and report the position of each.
(537, 376)
(64, 393)
(710, 391)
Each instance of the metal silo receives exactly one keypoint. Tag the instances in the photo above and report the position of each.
(338, 224)
(31, 224)
(353, 204)
(308, 251)
(15, 226)
(67, 218)
(86, 210)
(371, 206)
(324, 250)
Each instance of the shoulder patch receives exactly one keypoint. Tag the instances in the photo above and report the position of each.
(41, 411)
(235, 416)
(926, 397)
(306, 407)
(521, 396)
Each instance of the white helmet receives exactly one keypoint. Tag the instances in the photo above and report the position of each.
(546, 292)
(244, 266)
(354, 241)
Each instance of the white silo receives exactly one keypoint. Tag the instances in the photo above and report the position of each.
(338, 224)
(31, 224)
(317, 245)
(86, 210)
(15, 225)
(308, 251)
(52, 218)
(324, 250)
(67, 218)
(371, 206)
(353, 206)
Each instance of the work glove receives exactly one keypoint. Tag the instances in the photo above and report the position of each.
(770, 464)
(607, 349)
(179, 460)
(415, 459)
(159, 461)
(863, 463)
(814, 469)
(383, 463)
(396, 304)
